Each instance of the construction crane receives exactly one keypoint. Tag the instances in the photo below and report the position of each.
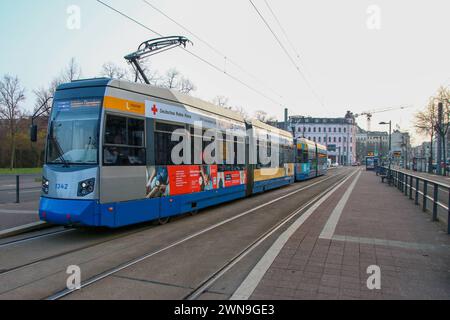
(369, 114)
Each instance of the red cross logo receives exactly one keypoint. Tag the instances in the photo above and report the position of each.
(154, 109)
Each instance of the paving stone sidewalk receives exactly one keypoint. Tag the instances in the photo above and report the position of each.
(378, 226)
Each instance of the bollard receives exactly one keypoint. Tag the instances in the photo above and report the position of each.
(435, 202)
(17, 189)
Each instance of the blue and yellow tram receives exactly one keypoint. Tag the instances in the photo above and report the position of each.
(311, 160)
(121, 153)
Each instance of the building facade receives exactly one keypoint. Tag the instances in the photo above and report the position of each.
(371, 143)
(401, 148)
(337, 134)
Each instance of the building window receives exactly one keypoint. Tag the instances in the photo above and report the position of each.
(340, 130)
(334, 139)
(320, 129)
(314, 129)
(329, 129)
(309, 129)
(320, 140)
(345, 139)
(334, 130)
(340, 139)
(345, 130)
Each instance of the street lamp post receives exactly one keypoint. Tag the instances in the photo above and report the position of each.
(390, 141)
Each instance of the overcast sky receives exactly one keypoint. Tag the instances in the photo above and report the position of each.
(357, 55)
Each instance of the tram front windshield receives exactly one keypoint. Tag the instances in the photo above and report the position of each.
(73, 132)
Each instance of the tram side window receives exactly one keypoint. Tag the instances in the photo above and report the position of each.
(136, 132)
(264, 148)
(116, 130)
(124, 141)
(164, 143)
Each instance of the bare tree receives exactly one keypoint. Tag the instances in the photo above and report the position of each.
(44, 94)
(11, 96)
(171, 79)
(186, 86)
(427, 123)
(241, 111)
(442, 127)
(43, 97)
(113, 71)
(221, 101)
(152, 75)
(263, 116)
(71, 72)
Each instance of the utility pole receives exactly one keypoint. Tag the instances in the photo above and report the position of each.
(439, 141)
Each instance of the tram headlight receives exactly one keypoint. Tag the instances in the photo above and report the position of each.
(45, 185)
(86, 187)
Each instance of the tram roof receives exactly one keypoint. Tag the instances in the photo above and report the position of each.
(262, 125)
(157, 92)
(170, 95)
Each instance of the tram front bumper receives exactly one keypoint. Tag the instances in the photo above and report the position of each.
(68, 212)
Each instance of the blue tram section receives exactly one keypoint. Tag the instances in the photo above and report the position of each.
(109, 156)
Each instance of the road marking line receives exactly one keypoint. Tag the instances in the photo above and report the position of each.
(255, 276)
(19, 211)
(26, 191)
(330, 226)
(391, 243)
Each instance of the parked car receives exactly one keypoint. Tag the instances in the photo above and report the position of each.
(334, 165)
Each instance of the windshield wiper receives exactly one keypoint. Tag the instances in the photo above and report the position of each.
(58, 147)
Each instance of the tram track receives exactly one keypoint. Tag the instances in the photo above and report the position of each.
(229, 264)
(34, 237)
(135, 229)
(37, 237)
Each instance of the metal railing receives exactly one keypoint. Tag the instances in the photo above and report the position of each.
(431, 195)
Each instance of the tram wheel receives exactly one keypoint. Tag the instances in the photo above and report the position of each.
(193, 212)
(163, 221)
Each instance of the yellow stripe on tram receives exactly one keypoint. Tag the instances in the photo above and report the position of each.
(124, 105)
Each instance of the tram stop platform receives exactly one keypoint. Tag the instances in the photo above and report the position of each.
(363, 224)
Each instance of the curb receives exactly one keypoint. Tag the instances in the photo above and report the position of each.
(24, 229)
